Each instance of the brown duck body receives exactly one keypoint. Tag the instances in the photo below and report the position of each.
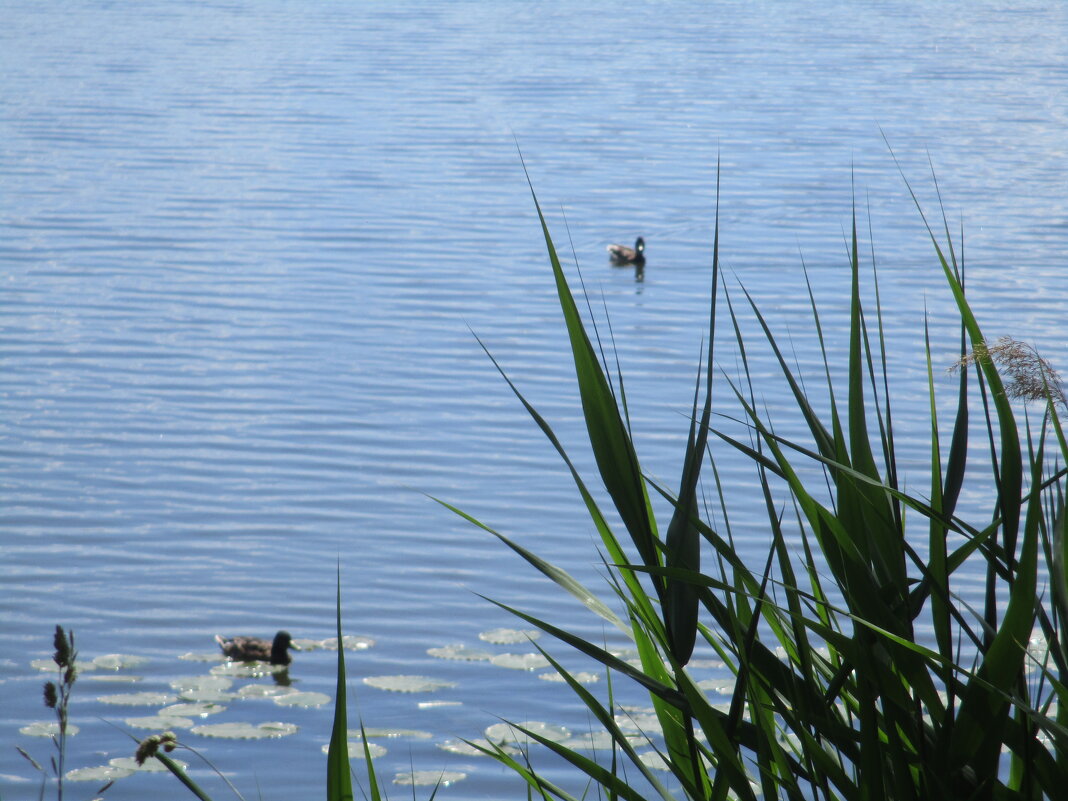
(621, 254)
(255, 649)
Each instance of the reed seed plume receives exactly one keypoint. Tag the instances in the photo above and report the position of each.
(1031, 377)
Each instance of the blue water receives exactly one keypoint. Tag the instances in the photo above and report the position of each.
(243, 247)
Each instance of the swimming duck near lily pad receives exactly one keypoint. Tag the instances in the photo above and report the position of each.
(621, 254)
(255, 649)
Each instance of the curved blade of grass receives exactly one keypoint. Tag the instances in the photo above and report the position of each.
(683, 540)
(558, 575)
(615, 550)
(180, 774)
(612, 446)
(338, 772)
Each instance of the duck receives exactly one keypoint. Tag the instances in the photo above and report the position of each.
(621, 254)
(254, 649)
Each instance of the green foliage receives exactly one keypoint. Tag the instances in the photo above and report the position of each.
(835, 697)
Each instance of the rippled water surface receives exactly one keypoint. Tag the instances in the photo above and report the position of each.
(243, 247)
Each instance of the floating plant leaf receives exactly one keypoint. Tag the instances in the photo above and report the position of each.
(412, 734)
(207, 696)
(115, 678)
(520, 661)
(151, 765)
(713, 664)
(506, 733)
(137, 699)
(464, 748)
(407, 684)
(302, 699)
(245, 731)
(353, 642)
(49, 665)
(195, 710)
(429, 778)
(582, 677)
(264, 691)
(654, 760)
(47, 729)
(187, 683)
(509, 636)
(160, 722)
(306, 644)
(461, 653)
(436, 704)
(596, 741)
(101, 773)
(356, 749)
(720, 686)
(638, 719)
(119, 661)
(213, 656)
(247, 670)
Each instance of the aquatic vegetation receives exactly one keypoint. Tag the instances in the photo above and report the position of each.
(407, 684)
(509, 636)
(836, 689)
(245, 731)
(57, 695)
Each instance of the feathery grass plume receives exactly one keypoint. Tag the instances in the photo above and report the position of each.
(1031, 377)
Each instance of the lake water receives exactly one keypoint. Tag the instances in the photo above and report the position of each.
(243, 247)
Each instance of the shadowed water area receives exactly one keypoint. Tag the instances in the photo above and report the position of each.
(242, 251)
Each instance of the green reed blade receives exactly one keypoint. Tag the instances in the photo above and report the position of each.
(338, 772)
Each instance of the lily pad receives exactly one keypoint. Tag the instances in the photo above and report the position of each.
(245, 731)
(718, 686)
(461, 653)
(520, 661)
(49, 665)
(47, 729)
(138, 699)
(207, 696)
(509, 636)
(436, 704)
(119, 661)
(582, 677)
(101, 773)
(505, 733)
(194, 710)
(356, 750)
(638, 719)
(407, 684)
(411, 734)
(464, 748)
(352, 642)
(213, 656)
(264, 691)
(115, 678)
(187, 683)
(713, 664)
(302, 699)
(160, 722)
(305, 644)
(654, 760)
(429, 778)
(152, 765)
(247, 670)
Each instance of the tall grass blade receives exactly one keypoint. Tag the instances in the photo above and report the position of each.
(338, 772)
